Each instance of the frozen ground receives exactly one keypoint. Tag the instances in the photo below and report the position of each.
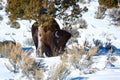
(97, 29)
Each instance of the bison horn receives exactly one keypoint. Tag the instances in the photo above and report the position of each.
(56, 34)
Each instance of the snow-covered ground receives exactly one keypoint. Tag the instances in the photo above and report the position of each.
(97, 29)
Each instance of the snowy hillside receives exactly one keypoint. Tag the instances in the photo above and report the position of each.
(101, 67)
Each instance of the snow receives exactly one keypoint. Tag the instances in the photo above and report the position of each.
(98, 29)
(5, 74)
(107, 74)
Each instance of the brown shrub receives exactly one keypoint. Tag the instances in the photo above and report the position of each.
(109, 3)
(6, 47)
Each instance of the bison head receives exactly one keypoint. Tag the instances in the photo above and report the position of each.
(57, 42)
(61, 37)
(53, 43)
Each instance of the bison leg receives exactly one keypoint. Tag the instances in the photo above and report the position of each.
(44, 50)
(39, 49)
(47, 50)
(35, 39)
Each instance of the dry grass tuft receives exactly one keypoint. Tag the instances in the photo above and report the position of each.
(38, 74)
(14, 56)
(79, 58)
(21, 60)
(26, 62)
(6, 47)
(92, 52)
(59, 71)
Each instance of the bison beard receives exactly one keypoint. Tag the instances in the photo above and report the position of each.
(51, 42)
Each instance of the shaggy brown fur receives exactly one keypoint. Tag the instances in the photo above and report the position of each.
(34, 30)
(47, 42)
(49, 24)
(52, 45)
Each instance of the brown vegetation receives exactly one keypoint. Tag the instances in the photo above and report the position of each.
(109, 3)
(6, 47)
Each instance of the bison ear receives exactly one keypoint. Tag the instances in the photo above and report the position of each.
(56, 34)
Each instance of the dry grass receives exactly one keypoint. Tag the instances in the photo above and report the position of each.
(92, 52)
(12, 52)
(110, 58)
(22, 60)
(6, 47)
(100, 13)
(1, 49)
(26, 62)
(14, 56)
(80, 59)
(115, 15)
(26, 65)
(38, 74)
(75, 58)
(59, 72)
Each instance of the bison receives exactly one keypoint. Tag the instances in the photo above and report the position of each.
(50, 40)
(53, 43)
